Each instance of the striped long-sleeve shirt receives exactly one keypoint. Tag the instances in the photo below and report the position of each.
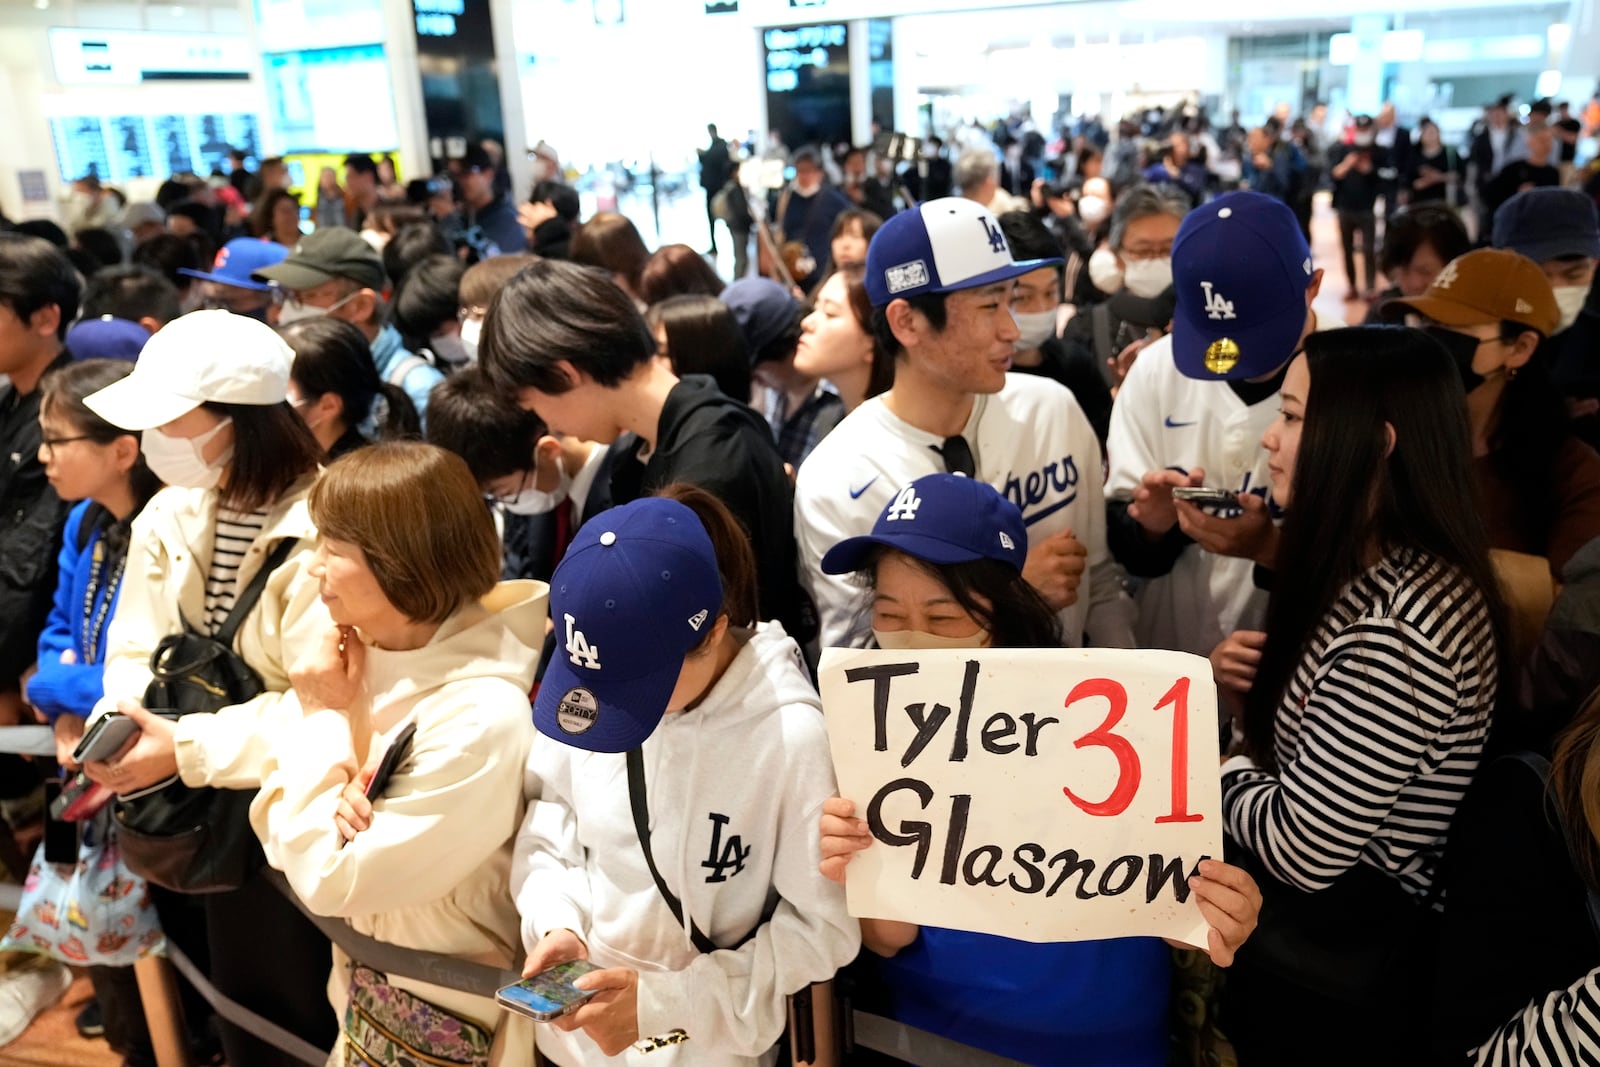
(1381, 728)
(1559, 1030)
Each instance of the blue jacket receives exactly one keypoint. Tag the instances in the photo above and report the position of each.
(388, 352)
(72, 688)
(1088, 1003)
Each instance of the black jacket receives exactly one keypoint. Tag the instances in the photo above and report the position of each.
(31, 516)
(709, 440)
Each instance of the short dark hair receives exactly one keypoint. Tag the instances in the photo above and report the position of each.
(272, 449)
(45, 230)
(167, 254)
(869, 222)
(1435, 225)
(560, 195)
(703, 337)
(553, 312)
(266, 207)
(885, 345)
(332, 356)
(416, 514)
(481, 424)
(415, 242)
(100, 243)
(736, 559)
(1028, 236)
(61, 392)
(477, 157)
(675, 270)
(131, 292)
(34, 274)
(428, 298)
(361, 163)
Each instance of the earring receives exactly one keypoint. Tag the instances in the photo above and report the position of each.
(1511, 372)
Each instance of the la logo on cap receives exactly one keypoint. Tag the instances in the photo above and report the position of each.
(1447, 277)
(997, 239)
(905, 506)
(579, 650)
(1217, 306)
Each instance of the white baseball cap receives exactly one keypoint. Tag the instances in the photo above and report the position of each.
(202, 357)
(941, 246)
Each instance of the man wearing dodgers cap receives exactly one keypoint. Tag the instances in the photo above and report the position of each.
(1191, 413)
(940, 277)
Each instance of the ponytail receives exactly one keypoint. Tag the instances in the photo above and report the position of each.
(394, 415)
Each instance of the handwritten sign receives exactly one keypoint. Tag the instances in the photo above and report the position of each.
(1038, 794)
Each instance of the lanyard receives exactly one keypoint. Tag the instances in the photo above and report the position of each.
(94, 615)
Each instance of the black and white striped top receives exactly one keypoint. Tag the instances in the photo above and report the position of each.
(1379, 734)
(1560, 1030)
(236, 532)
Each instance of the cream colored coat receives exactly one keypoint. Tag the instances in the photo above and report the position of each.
(169, 555)
(432, 871)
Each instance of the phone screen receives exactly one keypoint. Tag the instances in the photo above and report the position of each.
(549, 994)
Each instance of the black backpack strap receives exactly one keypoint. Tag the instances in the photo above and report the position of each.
(1100, 324)
(251, 593)
(641, 823)
(1541, 766)
(94, 516)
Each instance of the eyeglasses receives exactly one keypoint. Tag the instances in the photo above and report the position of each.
(509, 497)
(49, 443)
(957, 456)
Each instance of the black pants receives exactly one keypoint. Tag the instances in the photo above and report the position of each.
(711, 219)
(1366, 224)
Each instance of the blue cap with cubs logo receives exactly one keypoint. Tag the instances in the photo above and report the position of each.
(1240, 269)
(240, 258)
(636, 591)
(940, 518)
(940, 246)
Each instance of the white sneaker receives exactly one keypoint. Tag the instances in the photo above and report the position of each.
(24, 994)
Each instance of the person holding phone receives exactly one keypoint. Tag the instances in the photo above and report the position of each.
(947, 573)
(672, 799)
(1370, 703)
(208, 398)
(425, 646)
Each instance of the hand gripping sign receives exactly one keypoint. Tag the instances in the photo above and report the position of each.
(1038, 794)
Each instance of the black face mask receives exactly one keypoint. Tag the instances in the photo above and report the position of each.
(1463, 349)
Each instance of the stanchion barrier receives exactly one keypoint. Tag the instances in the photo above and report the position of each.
(163, 1015)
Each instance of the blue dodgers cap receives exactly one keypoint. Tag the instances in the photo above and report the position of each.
(1548, 223)
(1240, 268)
(764, 311)
(940, 518)
(106, 338)
(636, 591)
(940, 246)
(240, 258)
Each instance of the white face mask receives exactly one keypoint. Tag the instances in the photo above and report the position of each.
(450, 348)
(1093, 210)
(532, 500)
(1037, 327)
(807, 190)
(293, 311)
(1147, 277)
(1570, 299)
(917, 640)
(181, 461)
(1105, 271)
(471, 330)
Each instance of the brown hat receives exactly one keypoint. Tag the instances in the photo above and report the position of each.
(1488, 285)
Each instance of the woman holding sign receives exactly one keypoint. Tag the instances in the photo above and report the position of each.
(947, 573)
(1371, 702)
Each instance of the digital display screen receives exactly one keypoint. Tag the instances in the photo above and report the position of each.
(808, 82)
(124, 147)
(332, 100)
(297, 25)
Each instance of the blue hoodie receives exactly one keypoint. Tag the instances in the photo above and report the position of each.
(388, 352)
(72, 688)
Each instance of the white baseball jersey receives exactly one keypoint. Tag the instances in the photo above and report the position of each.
(1164, 420)
(1031, 441)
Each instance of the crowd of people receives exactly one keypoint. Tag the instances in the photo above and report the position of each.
(510, 536)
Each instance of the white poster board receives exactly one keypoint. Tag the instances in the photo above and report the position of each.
(1037, 794)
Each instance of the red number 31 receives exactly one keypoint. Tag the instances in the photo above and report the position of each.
(1128, 771)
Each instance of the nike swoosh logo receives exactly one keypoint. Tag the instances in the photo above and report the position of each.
(1176, 425)
(855, 494)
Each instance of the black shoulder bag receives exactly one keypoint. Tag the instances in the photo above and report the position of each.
(198, 840)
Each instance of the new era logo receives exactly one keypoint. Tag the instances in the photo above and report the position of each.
(698, 619)
(1006, 542)
(913, 275)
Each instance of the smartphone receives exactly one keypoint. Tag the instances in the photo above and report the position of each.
(548, 994)
(105, 738)
(78, 799)
(398, 751)
(1206, 497)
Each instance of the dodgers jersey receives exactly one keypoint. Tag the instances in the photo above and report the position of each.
(1163, 420)
(1031, 441)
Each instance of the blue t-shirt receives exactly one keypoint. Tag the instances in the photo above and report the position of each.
(1087, 1003)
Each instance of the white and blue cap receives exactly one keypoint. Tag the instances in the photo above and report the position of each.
(940, 246)
(1240, 269)
(637, 590)
(940, 518)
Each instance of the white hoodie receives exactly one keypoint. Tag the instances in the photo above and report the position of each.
(431, 870)
(735, 790)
